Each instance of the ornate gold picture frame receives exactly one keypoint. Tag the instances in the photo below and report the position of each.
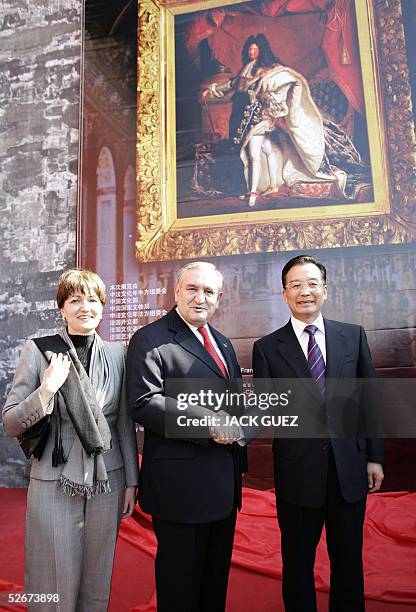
(388, 217)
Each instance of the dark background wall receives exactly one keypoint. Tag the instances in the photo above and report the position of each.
(40, 82)
(372, 286)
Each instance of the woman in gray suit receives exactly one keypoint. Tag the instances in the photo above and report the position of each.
(85, 479)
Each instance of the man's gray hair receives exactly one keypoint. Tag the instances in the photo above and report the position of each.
(200, 265)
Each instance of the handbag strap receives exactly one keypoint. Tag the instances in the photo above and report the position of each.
(56, 344)
(51, 343)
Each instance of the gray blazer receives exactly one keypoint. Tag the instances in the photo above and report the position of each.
(23, 409)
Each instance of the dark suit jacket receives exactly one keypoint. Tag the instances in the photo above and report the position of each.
(186, 481)
(300, 465)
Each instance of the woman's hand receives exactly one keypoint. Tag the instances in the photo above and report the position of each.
(54, 377)
(129, 502)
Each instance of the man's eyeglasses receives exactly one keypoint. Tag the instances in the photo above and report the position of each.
(312, 285)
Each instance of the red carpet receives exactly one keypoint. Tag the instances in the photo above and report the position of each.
(390, 556)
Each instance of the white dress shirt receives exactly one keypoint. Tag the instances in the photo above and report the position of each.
(201, 339)
(303, 336)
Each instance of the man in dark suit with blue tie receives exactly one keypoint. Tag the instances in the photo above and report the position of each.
(191, 487)
(322, 481)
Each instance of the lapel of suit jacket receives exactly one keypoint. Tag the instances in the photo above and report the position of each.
(290, 349)
(187, 339)
(225, 347)
(335, 351)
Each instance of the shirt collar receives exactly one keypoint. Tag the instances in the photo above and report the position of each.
(299, 326)
(192, 327)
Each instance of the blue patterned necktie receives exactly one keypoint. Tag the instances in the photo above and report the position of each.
(316, 361)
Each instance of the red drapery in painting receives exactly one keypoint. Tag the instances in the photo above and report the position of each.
(338, 42)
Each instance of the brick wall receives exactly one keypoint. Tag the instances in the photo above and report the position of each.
(40, 51)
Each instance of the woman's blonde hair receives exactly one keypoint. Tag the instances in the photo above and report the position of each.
(84, 281)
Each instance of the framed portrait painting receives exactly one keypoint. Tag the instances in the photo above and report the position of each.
(272, 125)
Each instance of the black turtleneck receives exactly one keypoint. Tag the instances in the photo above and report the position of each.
(83, 347)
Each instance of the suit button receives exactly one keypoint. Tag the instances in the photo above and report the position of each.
(325, 447)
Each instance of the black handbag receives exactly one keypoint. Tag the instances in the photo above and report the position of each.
(33, 440)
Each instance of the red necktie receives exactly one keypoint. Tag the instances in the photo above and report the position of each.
(211, 350)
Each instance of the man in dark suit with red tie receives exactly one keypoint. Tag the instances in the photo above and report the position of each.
(191, 487)
(322, 481)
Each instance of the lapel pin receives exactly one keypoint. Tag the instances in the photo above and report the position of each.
(226, 345)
